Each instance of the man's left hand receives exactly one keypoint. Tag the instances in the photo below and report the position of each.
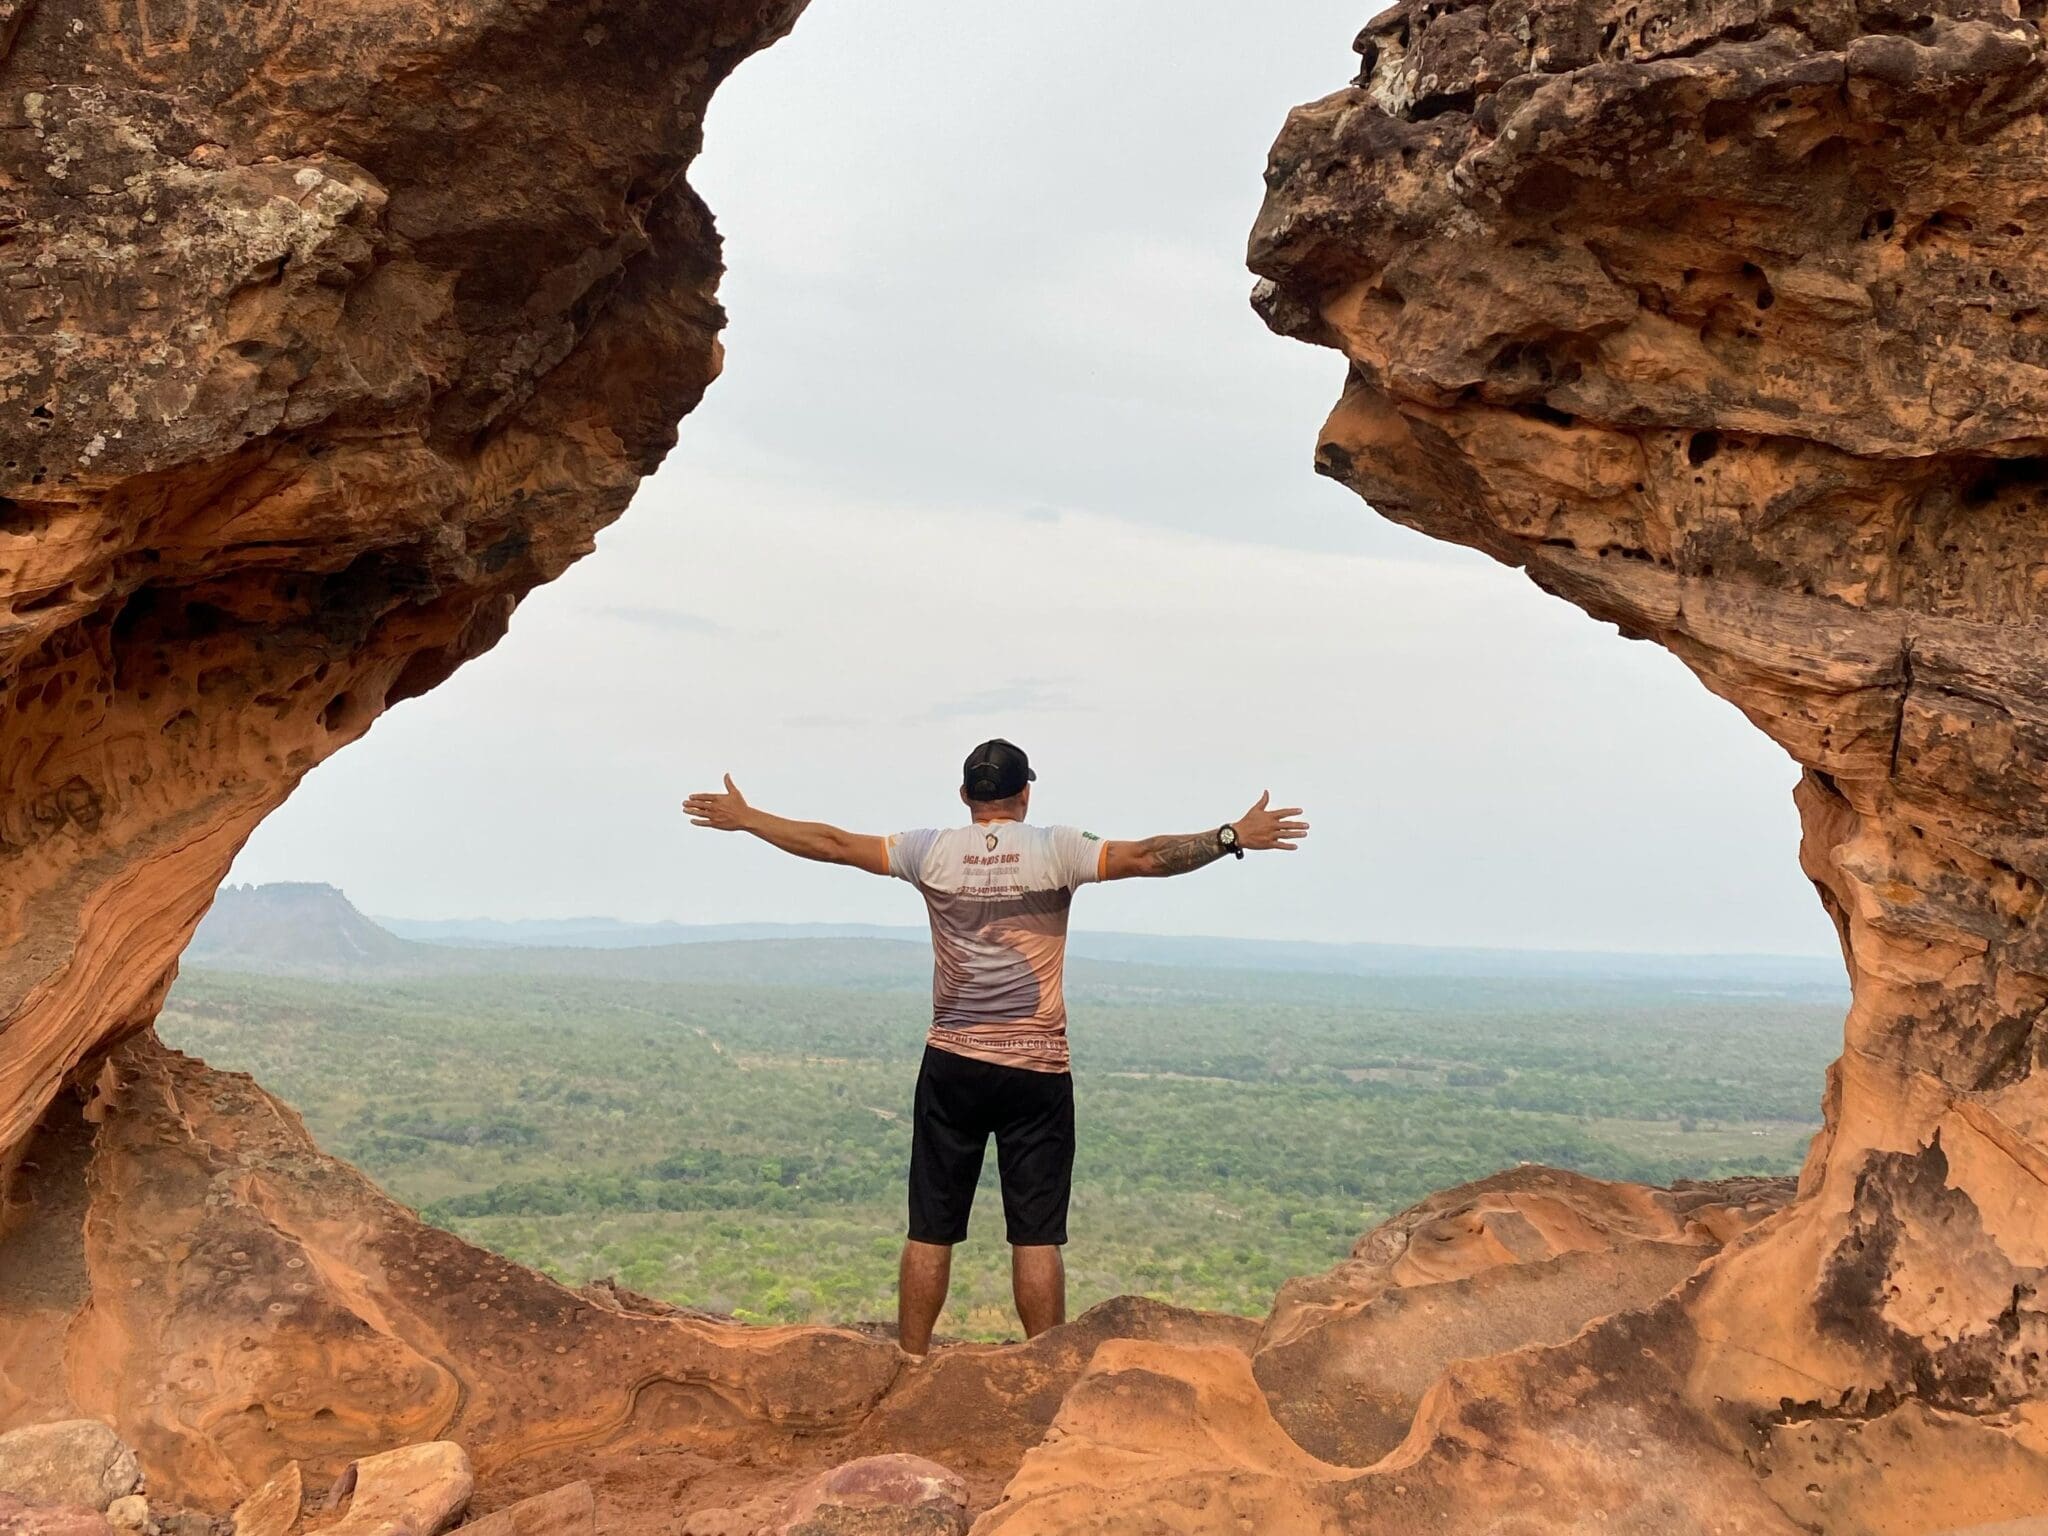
(728, 812)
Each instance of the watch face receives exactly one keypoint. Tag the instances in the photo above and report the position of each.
(1228, 837)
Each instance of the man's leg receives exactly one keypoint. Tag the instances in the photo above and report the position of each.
(1035, 1154)
(921, 1281)
(946, 1146)
(1038, 1280)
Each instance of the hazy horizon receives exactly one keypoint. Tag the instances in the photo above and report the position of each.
(912, 927)
(990, 351)
(417, 926)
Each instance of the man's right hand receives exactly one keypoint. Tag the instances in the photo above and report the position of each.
(1261, 828)
(729, 812)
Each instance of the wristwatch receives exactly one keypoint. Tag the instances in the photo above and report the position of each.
(1226, 839)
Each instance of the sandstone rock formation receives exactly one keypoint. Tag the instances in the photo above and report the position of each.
(330, 330)
(1527, 1257)
(1725, 322)
(1356, 1367)
(333, 330)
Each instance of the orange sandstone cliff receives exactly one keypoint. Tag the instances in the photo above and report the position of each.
(333, 329)
(329, 331)
(1728, 322)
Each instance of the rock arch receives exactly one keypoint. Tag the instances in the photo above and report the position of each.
(1722, 321)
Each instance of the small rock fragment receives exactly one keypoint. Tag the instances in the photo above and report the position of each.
(73, 1461)
(417, 1489)
(129, 1513)
(893, 1495)
(273, 1509)
(567, 1511)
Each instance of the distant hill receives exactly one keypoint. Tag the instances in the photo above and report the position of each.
(298, 929)
(313, 930)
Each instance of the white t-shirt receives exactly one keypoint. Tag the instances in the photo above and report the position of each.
(998, 894)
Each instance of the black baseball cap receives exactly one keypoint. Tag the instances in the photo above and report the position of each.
(996, 770)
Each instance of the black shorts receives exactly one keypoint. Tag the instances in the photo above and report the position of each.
(960, 1104)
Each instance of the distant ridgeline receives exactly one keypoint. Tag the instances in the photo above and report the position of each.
(306, 929)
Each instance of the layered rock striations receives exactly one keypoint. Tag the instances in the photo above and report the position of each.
(326, 332)
(1728, 323)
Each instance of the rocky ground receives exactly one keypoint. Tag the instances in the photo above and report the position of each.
(226, 1306)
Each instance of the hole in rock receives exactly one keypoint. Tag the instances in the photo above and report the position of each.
(2002, 475)
(723, 1122)
(204, 620)
(1542, 410)
(54, 598)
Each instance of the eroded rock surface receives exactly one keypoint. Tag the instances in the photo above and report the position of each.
(1527, 1257)
(1725, 322)
(326, 332)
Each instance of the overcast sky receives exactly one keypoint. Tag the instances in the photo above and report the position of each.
(1001, 449)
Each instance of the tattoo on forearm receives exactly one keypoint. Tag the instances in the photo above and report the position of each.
(1178, 855)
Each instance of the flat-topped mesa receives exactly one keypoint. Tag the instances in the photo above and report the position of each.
(329, 332)
(1728, 322)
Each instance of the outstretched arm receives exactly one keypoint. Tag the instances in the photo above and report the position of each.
(1259, 828)
(730, 812)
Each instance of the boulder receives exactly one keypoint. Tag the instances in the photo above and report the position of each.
(416, 1490)
(877, 1496)
(272, 1509)
(73, 1461)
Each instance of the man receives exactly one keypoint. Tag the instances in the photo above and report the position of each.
(995, 1062)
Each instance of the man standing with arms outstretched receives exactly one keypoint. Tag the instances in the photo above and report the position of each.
(995, 1062)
